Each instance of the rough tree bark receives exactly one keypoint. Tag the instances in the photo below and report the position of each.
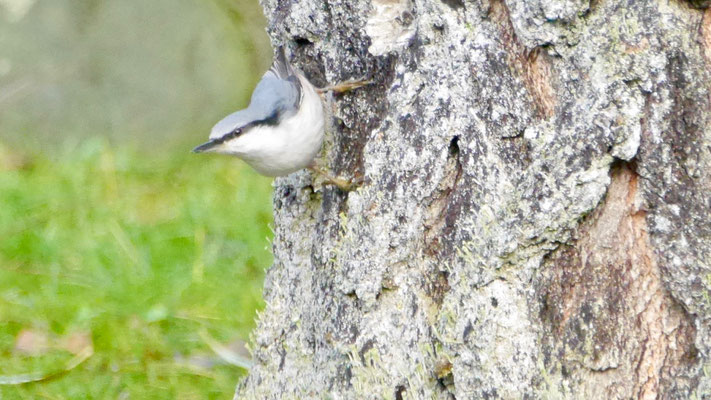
(535, 220)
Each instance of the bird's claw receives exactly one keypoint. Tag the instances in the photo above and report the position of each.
(344, 184)
(346, 86)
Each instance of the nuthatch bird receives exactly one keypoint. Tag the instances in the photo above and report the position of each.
(282, 129)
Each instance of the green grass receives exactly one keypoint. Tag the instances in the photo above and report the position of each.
(140, 252)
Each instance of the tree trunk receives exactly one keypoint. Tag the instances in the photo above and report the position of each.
(535, 220)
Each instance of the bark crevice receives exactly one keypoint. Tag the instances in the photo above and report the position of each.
(607, 304)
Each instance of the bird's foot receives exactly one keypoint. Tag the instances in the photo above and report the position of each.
(346, 86)
(346, 185)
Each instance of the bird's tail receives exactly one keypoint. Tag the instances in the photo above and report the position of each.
(281, 66)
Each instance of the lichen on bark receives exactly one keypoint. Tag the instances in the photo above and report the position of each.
(535, 216)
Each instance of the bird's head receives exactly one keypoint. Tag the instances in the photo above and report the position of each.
(276, 98)
(225, 134)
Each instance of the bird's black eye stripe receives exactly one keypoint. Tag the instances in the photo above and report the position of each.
(230, 135)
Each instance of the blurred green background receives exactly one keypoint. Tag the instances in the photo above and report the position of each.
(113, 236)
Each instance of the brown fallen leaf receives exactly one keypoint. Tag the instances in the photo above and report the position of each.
(12, 161)
(76, 342)
(32, 342)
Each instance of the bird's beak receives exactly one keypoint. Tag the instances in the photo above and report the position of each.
(206, 146)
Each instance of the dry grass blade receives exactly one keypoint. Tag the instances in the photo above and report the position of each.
(20, 379)
(225, 353)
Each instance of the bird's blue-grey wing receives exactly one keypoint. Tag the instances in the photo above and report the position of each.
(279, 91)
(274, 98)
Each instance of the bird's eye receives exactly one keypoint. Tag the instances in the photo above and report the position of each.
(231, 135)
